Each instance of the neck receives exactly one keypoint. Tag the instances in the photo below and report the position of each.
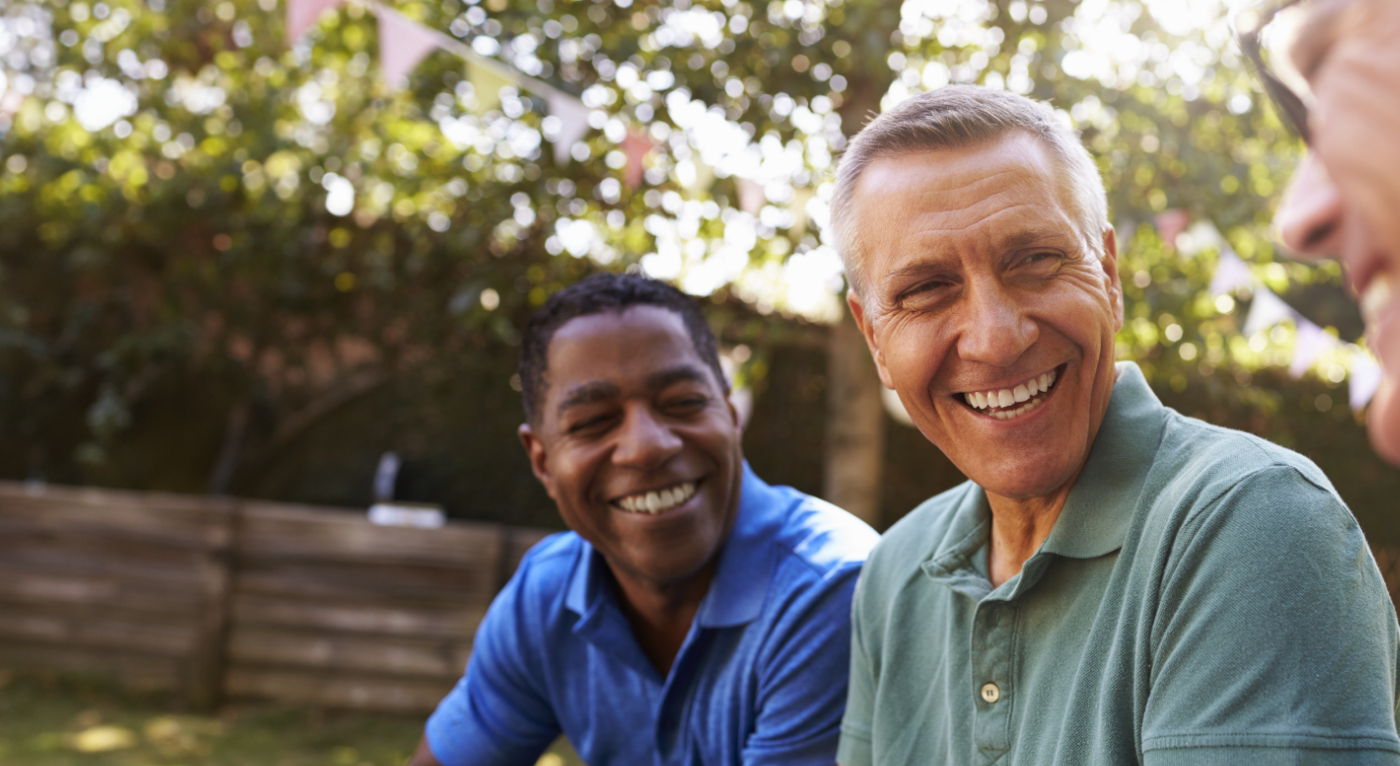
(661, 613)
(1019, 527)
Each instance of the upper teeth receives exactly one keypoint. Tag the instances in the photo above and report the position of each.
(658, 501)
(1005, 397)
(1377, 294)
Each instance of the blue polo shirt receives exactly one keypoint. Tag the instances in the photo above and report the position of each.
(760, 679)
(1203, 598)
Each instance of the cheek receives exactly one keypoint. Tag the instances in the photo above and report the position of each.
(914, 349)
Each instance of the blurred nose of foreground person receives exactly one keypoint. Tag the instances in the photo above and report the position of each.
(1310, 219)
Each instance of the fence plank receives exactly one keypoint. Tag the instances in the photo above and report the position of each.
(111, 628)
(137, 516)
(301, 532)
(406, 584)
(20, 585)
(338, 690)
(271, 612)
(138, 671)
(442, 659)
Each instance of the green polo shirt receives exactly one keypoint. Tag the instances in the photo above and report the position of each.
(1204, 598)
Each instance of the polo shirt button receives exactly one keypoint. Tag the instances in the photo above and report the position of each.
(990, 693)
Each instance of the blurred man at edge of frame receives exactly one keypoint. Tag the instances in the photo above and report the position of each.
(1338, 86)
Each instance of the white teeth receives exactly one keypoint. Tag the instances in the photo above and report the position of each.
(1377, 295)
(658, 501)
(1005, 398)
(1008, 414)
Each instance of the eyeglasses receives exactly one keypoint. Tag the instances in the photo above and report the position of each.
(1248, 26)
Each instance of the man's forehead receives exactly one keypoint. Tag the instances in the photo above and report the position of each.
(939, 168)
(598, 355)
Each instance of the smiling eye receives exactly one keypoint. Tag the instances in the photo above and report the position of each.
(924, 294)
(687, 405)
(589, 424)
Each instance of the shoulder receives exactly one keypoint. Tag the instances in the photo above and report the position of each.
(545, 570)
(1219, 497)
(819, 537)
(1214, 452)
(1202, 466)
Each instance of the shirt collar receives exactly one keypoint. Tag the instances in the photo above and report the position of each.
(745, 568)
(742, 576)
(1096, 515)
(1099, 508)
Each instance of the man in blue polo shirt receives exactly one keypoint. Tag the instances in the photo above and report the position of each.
(1117, 583)
(694, 615)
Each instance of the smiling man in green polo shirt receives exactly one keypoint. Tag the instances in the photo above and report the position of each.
(1116, 583)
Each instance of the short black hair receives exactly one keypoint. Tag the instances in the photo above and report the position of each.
(594, 295)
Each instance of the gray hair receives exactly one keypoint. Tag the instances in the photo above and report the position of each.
(958, 116)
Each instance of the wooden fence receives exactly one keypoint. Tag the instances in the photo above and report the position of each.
(214, 598)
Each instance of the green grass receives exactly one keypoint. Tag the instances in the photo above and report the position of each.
(51, 720)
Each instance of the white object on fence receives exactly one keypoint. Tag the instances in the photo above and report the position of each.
(406, 515)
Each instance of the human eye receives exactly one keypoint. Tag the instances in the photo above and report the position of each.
(924, 295)
(1037, 264)
(586, 424)
(686, 403)
(1040, 257)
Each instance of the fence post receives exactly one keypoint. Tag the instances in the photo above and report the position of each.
(205, 689)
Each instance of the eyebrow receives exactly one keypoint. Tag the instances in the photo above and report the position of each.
(591, 392)
(1020, 239)
(1029, 237)
(595, 391)
(681, 373)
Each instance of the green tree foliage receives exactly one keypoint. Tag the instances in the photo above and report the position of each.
(269, 230)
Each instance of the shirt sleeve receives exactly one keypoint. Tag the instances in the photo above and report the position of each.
(802, 681)
(857, 731)
(1274, 638)
(498, 714)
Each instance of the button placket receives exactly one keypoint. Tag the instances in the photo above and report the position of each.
(993, 643)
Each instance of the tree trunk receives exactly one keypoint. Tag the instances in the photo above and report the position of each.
(855, 417)
(855, 425)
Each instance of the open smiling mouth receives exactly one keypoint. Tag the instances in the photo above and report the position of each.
(657, 501)
(1007, 403)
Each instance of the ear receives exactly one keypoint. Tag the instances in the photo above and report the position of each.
(539, 458)
(1110, 270)
(867, 329)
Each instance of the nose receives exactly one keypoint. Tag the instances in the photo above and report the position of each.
(996, 329)
(1310, 219)
(644, 441)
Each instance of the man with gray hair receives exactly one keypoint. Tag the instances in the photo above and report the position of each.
(1116, 583)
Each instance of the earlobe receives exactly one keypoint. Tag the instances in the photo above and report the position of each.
(867, 330)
